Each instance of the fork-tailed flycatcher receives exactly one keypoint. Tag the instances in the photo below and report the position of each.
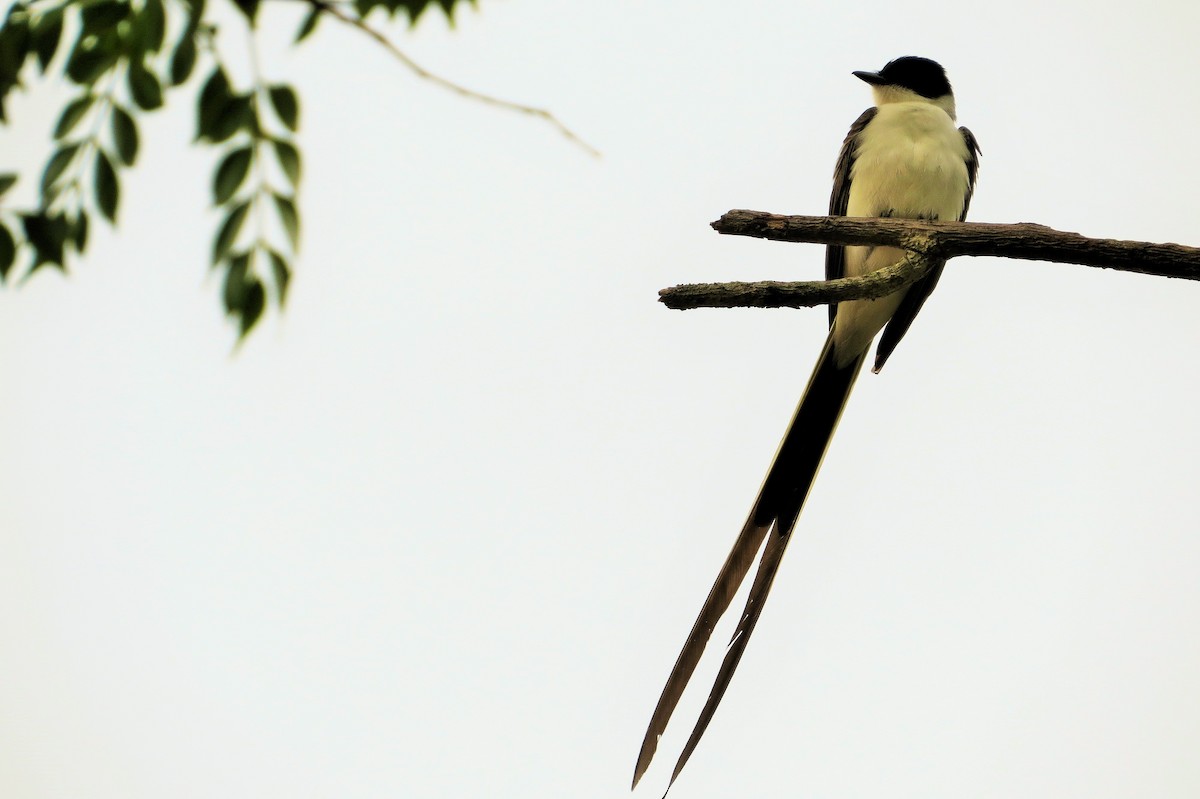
(902, 158)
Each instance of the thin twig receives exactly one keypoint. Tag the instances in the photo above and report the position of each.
(806, 294)
(418, 70)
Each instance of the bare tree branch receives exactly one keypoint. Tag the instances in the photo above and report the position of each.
(805, 294)
(927, 242)
(330, 8)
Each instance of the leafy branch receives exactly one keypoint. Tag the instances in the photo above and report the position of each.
(115, 40)
(235, 119)
(124, 68)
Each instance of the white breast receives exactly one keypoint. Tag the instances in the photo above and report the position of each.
(910, 162)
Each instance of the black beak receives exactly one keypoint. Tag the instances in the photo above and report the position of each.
(873, 78)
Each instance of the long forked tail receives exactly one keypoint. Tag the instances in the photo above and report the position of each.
(775, 512)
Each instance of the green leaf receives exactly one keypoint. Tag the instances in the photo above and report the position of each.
(46, 34)
(231, 173)
(125, 135)
(249, 8)
(8, 251)
(151, 23)
(144, 87)
(243, 292)
(309, 25)
(282, 274)
(100, 17)
(72, 114)
(14, 46)
(86, 64)
(236, 271)
(55, 167)
(238, 113)
(252, 305)
(77, 231)
(286, 105)
(227, 234)
(448, 7)
(47, 234)
(214, 96)
(289, 217)
(195, 12)
(289, 160)
(7, 181)
(183, 60)
(248, 117)
(107, 191)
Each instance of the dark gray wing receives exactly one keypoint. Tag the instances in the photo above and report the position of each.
(920, 291)
(973, 153)
(835, 255)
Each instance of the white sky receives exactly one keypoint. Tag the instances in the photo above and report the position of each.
(441, 528)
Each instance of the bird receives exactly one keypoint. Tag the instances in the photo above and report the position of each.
(903, 157)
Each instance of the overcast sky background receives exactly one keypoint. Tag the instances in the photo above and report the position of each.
(440, 529)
